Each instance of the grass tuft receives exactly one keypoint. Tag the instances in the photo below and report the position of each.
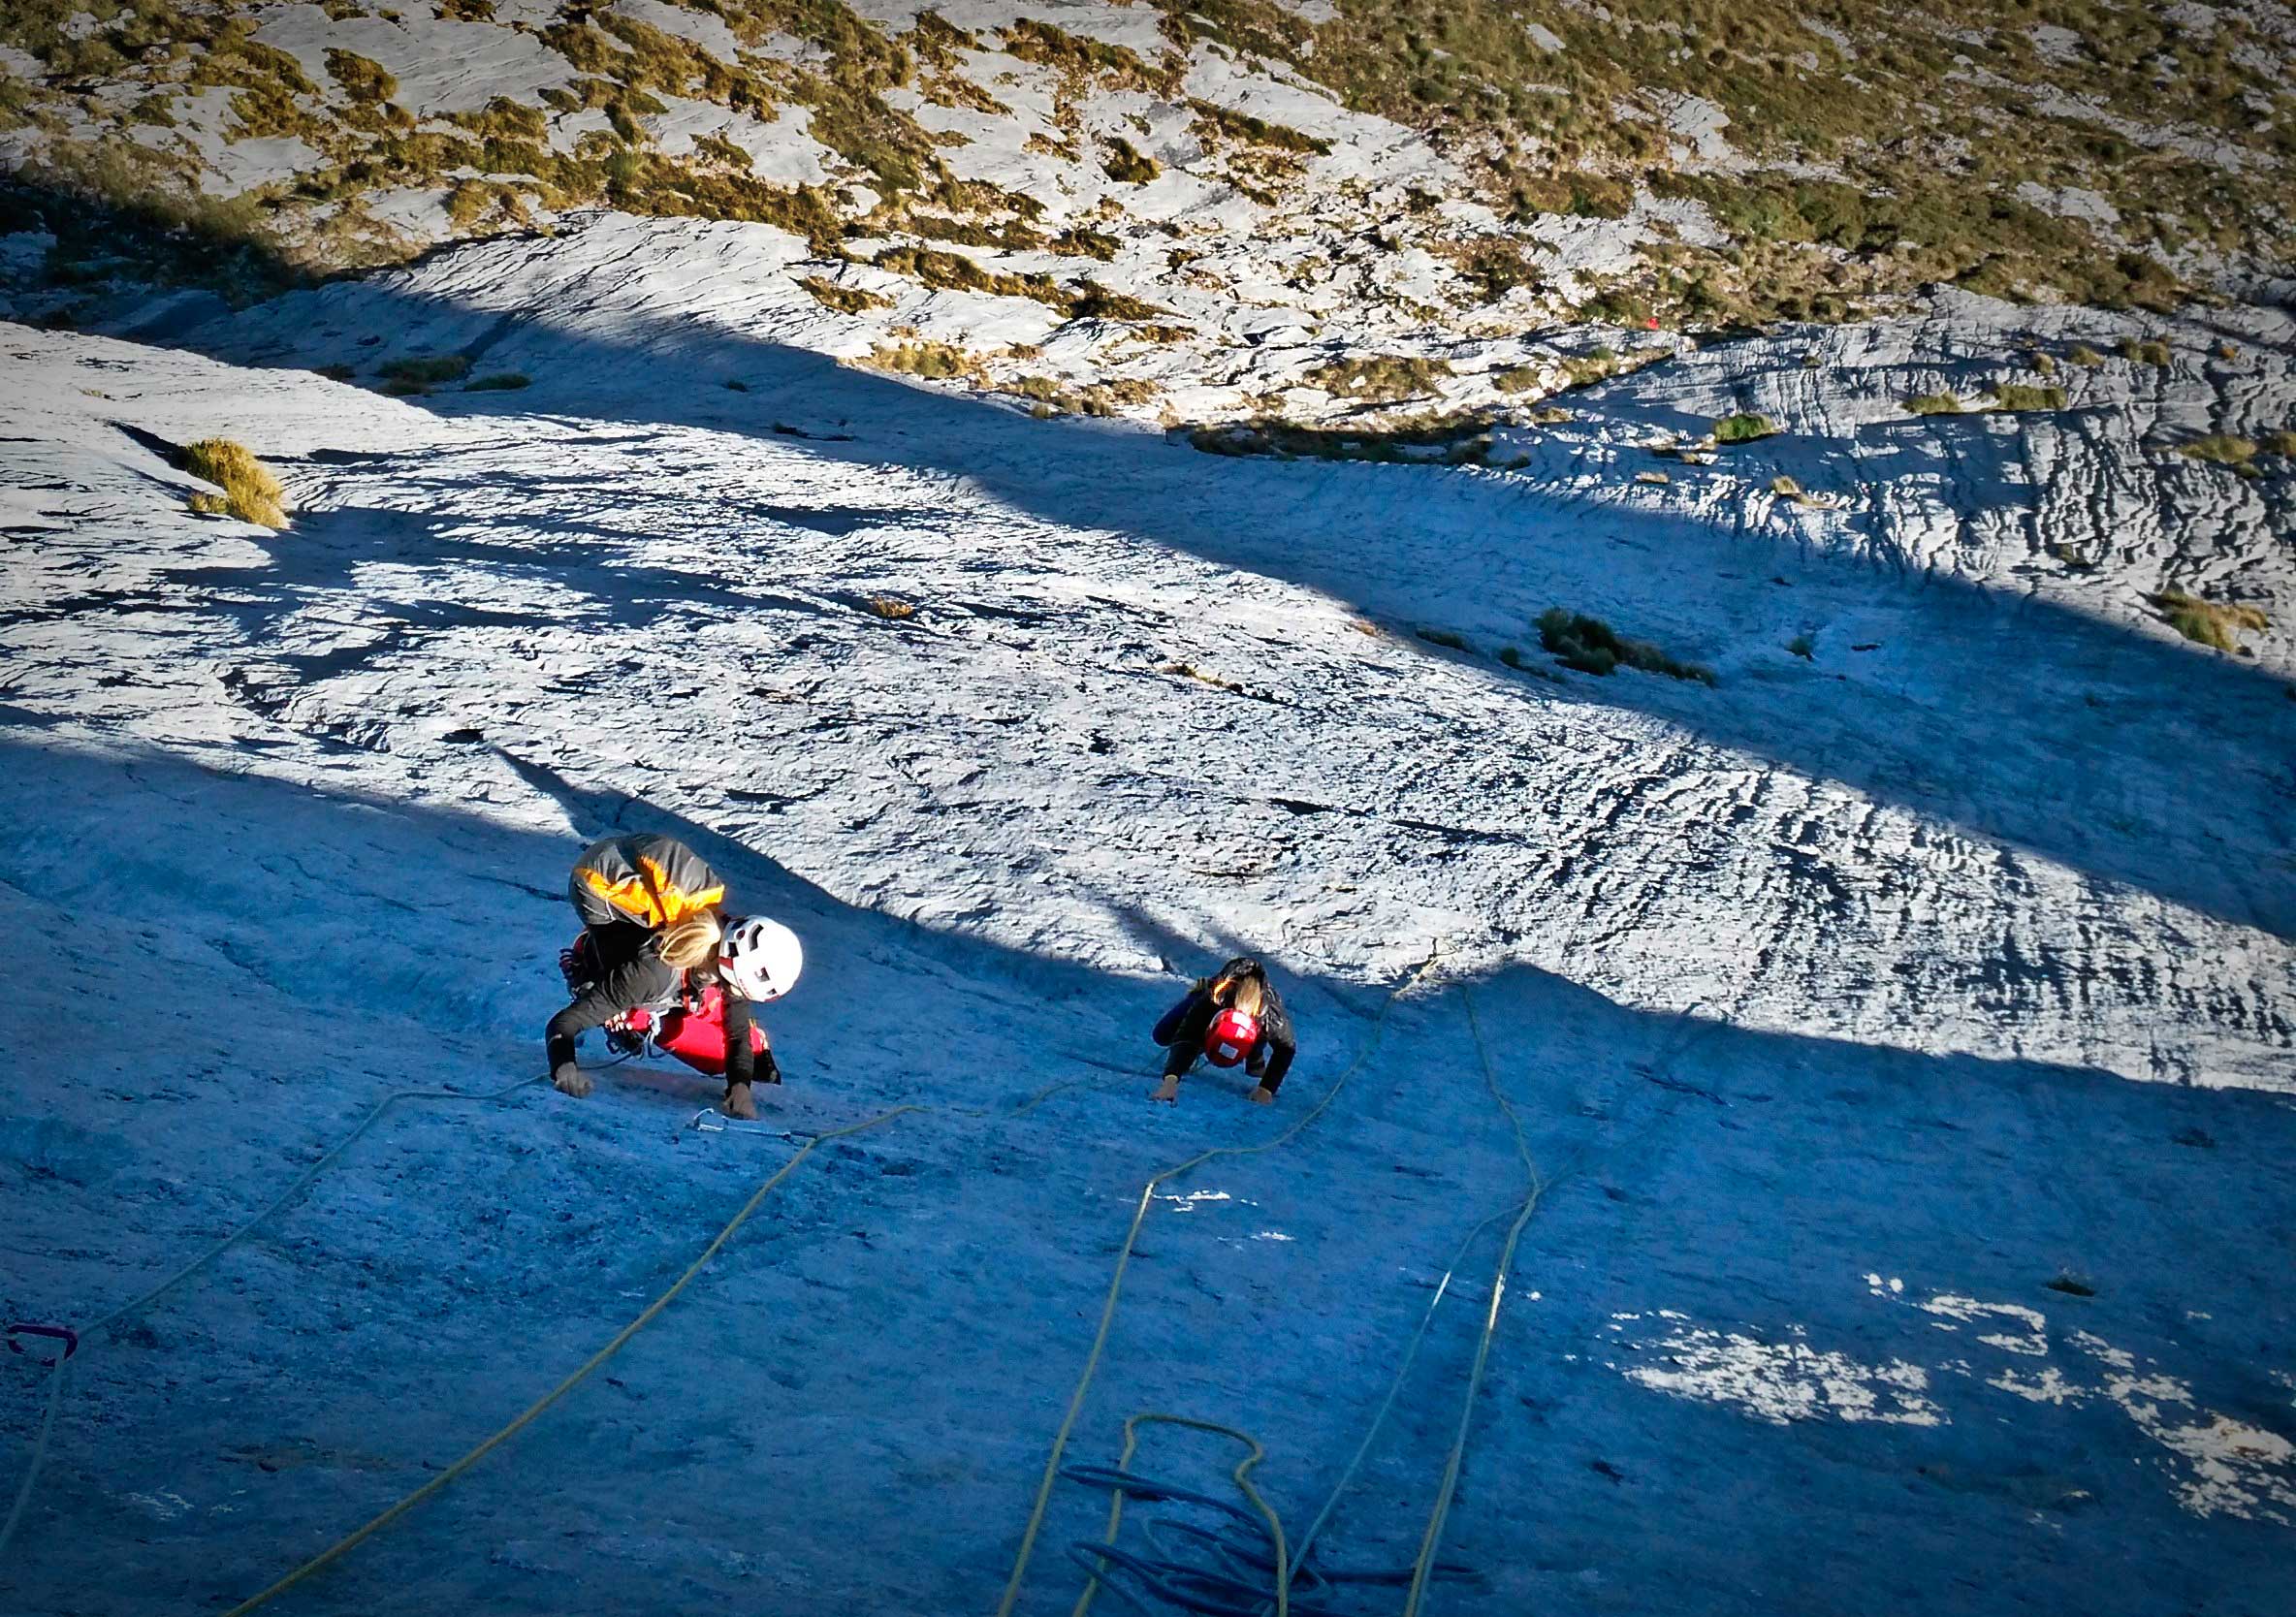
(1933, 404)
(250, 491)
(2221, 449)
(1592, 647)
(1382, 378)
(2212, 623)
(844, 300)
(1126, 163)
(1744, 427)
(415, 374)
(1451, 440)
(2017, 395)
(501, 381)
(934, 360)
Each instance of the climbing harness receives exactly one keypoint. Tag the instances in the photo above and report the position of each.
(1124, 1258)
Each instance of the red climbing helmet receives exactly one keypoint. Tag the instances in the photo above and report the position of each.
(1231, 1036)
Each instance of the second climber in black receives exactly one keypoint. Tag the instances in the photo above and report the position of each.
(1232, 1017)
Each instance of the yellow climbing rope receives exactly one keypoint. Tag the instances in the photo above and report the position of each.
(1124, 1258)
(1423, 1567)
(353, 1540)
(1291, 1559)
(89, 1333)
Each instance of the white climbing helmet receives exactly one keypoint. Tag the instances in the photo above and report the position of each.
(762, 958)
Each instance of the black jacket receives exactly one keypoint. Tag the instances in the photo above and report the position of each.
(633, 977)
(1183, 1027)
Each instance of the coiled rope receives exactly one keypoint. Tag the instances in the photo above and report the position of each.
(1181, 1583)
(1100, 1340)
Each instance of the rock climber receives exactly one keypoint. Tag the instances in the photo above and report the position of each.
(1230, 1017)
(657, 958)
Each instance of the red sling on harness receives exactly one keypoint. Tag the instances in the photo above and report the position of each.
(696, 1037)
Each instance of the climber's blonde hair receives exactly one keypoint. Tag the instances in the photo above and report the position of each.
(1245, 994)
(687, 943)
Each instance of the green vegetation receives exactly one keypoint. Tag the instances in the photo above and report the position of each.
(2017, 395)
(1933, 404)
(1932, 125)
(2221, 449)
(1583, 370)
(1080, 59)
(1213, 122)
(1380, 379)
(2144, 353)
(934, 360)
(1089, 300)
(844, 300)
(1938, 155)
(501, 381)
(250, 491)
(1495, 265)
(2211, 623)
(1801, 646)
(2283, 442)
(418, 376)
(1451, 440)
(1010, 235)
(1592, 647)
(891, 608)
(2083, 355)
(1099, 399)
(1743, 429)
(362, 79)
(1127, 164)
(1083, 241)
(115, 208)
